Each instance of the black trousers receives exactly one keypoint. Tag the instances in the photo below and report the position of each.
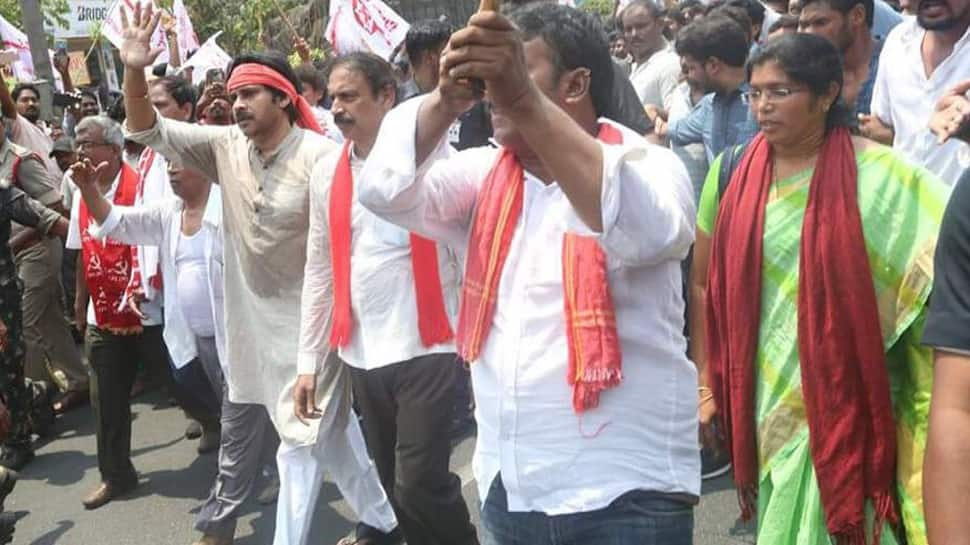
(407, 409)
(114, 364)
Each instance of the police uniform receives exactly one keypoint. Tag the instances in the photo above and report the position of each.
(50, 345)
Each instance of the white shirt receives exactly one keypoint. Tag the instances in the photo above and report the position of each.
(382, 296)
(153, 314)
(656, 79)
(549, 458)
(905, 99)
(161, 225)
(193, 282)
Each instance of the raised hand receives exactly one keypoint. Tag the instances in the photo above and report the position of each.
(85, 175)
(136, 37)
(490, 49)
(302, 49)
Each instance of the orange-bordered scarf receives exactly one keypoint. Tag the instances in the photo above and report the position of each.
(433, 324)
(595, 361)
(107, 265)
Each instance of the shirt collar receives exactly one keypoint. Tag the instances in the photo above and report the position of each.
(289, 142)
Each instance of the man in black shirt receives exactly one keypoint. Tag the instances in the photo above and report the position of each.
(947, 467)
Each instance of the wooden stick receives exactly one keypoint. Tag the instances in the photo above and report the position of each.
(490, 5)
(286, 21)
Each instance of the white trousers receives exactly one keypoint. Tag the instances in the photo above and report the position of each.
(340, 451)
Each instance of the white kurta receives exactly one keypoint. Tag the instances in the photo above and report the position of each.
(550, 459)
(265, 224)
(382, 295)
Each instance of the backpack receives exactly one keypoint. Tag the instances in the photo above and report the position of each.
(729, 161)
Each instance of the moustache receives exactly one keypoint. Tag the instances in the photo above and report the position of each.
(343, 119)
(244, 117)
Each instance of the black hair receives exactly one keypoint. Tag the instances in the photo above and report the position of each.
(754, 9)
(811, 61)
(426, 35)
(308, 74)
(845, 6)
(717, 36)
(653, 8)
(90, 94)
(278, 63)
(377, 71)
(577, 40)
(180, 89)
(160, 69)
(734, 13)
(21, 87)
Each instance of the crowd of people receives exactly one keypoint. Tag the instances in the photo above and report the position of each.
(696, 238)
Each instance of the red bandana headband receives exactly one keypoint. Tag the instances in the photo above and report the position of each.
(258, 74)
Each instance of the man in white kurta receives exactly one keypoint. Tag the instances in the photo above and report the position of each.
(603, 475)
(403, 379)
(263, 166)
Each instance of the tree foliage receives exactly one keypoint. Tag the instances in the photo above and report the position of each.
(603, 8)
(243, 23)
(54, 11)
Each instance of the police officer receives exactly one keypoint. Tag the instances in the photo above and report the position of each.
(38, 260)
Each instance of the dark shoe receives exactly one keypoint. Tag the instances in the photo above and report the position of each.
(8, 522)
(16, 457)
(40, 415)
(70, 400)
(714, 463)
(210, 440)
(270, 492)
(8, 479)
(193, 430)
(105, 492)
(368, 535)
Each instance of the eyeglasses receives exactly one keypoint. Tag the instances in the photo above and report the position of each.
(84, 146)
(771, 94)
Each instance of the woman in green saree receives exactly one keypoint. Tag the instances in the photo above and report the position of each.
(811, 275)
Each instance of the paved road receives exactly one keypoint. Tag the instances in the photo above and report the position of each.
(175, 481)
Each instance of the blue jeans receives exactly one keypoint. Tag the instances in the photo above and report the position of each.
(638, 517)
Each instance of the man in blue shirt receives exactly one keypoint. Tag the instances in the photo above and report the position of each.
(847, 24)
(712, 55)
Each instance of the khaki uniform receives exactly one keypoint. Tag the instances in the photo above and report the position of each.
(51, 353)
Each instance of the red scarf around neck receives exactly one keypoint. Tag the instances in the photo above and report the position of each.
(433, 324)
(108, 263)
(595, 362)
(845, 383)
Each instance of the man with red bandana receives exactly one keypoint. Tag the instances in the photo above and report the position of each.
(263, 165)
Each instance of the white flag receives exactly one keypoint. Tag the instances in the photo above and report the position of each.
(365, 25)
(111, 29)
(15, 40)
(208, 56)
(187, 39)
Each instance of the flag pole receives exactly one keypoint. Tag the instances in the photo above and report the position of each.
(286, 21)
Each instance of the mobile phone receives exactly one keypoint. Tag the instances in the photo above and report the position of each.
(64, 100)
(215, 74)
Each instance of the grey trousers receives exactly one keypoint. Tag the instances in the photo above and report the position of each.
(248, 442)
